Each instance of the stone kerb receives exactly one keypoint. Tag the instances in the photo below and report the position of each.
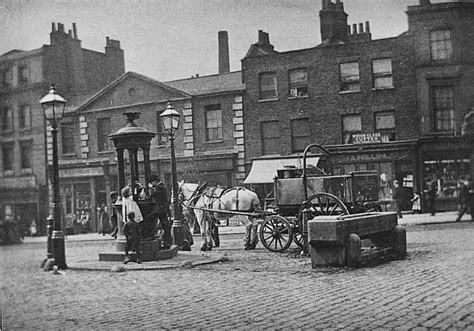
(349, 240)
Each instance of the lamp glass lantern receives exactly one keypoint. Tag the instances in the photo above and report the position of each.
(170, 118)
(53, 105)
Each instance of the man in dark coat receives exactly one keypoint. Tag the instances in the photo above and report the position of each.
(431, 195)
(159, 194)
(397, 197)
(466, 199)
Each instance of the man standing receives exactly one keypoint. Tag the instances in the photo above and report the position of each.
(159, 194)
(466, 199)
(431, 194)
(397, 197)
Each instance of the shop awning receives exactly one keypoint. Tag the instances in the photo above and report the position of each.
(264, 170)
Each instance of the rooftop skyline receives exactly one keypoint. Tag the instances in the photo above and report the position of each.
(176, 39)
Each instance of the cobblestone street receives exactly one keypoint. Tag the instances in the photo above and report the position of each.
(432, 288)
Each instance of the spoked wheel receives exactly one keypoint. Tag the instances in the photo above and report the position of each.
(298, 233)
(276, 233)
(322, 203)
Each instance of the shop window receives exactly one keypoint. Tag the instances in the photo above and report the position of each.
(25, 155)
(270, 137)
(268, 83)
(103, 131)
(443, 108)
(382, 74)
(161, 136)
(440, 43)
(351, 124)
(22, 75)
(8, 158)
(24, 117)
(448, 172)
(349, 77)
(300, 135)
(298, 83)
(213, 122)
(385, 125)
(7, 119)
(67, 138)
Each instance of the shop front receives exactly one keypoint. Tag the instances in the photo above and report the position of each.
(447, 161)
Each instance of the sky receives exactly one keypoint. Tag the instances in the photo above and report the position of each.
(175, 39)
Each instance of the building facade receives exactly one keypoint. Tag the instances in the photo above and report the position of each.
(393, 105)
(25, 77)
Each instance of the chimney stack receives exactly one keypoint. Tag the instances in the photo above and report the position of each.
(74, 29)
(223, 40)
(333, 22)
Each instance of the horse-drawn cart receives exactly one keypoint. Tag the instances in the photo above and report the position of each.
(304, 193)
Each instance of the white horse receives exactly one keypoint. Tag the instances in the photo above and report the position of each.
(235, 199)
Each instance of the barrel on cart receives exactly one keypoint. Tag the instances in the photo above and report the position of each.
(304, 193)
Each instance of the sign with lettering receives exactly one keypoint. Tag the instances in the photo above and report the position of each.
(369, 138)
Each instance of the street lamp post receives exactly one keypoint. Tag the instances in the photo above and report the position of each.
(53, 106)
(170, 119)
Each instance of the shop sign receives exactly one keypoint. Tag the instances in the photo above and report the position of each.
(81, 172)
(369, 138)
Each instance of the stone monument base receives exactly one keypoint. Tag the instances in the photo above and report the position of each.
(150, 251)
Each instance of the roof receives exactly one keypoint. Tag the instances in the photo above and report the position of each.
(120, 79)
(228, 82)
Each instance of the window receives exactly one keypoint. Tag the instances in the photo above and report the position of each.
(351, 124)
(441, 49)
(382, 73)
(6, 78)
(24, 119)
(385, 125)
(67, 135)
(25, 154)
(7, 119)
(298, 83)
(7, 151)
(103, 131)
(22, 75)
(268, 86)
(349, 73)
(299, 134)
(443, 108)
(270, 137)
(213, 122)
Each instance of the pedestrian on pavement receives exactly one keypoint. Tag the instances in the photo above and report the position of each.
(397, 197)
(466, 198)
(132, 233)
(113, 214)
(416, 203)
(159, 194)
(103, 224)
(431, 194)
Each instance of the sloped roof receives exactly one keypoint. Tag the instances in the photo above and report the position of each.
(231, 81)
(125, 76)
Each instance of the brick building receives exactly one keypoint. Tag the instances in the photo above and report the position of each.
(25, 77)
(394, 105)
(209, 144)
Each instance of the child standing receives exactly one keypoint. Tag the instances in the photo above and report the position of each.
(131, 230)
(416, 206)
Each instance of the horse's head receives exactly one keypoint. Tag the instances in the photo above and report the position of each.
(186, 190)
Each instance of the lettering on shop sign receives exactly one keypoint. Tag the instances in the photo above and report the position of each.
(367, 157)
(369, 138)
(81, 172)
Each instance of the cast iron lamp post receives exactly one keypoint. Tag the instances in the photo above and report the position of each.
(53, 106)
(170, 119)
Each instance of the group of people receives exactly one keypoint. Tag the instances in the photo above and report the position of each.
(136, 222)
(465, 198)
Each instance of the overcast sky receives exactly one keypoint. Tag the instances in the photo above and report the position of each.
(174, 39)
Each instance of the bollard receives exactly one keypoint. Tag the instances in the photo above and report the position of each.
(353, 249)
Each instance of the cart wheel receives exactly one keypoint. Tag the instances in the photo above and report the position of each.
(276, 233)
(298, 234)
(323, 204)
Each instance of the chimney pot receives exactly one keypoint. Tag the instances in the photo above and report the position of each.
(74, 29)
(354, 28)
(367, 27)
(53, 28)
(361, 28)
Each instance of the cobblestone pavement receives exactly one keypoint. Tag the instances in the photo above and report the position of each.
(432, 288)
